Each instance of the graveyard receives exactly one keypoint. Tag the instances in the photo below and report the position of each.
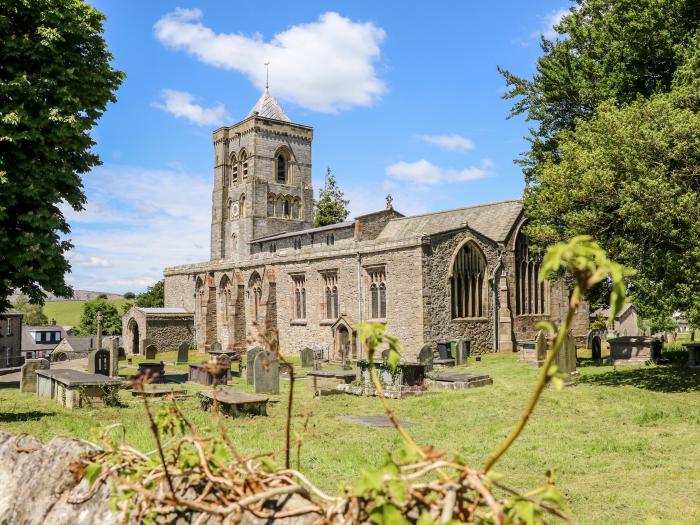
(640, 421)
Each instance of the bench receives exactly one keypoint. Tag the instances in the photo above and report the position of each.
(233, 403)
(76, 389)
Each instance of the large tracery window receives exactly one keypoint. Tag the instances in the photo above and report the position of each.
(530, 293)
(468, 283)
(377, 293)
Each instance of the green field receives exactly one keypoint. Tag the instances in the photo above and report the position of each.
(624, 442)
(67, 313)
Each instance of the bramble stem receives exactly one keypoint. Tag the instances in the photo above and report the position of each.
(542, 382)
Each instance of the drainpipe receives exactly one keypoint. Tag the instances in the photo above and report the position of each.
(359, 299)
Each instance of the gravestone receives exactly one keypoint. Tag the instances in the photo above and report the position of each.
(215, 346)
(121, 353)
(27, 381)
(100, 363)
(249, 362)
(145, 343)
(463, 349)
(541, 347)
(183, 353)
(307, 358)
(266, 374)
(425, 357)
(224, 361)
(114, 357)
(151, 352)
(566, 358)
(385, 355)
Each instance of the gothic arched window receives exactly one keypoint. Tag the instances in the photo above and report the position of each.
(244, 163)
(377, 293)
(530, 294)
(255, 291)
(296, 209)
(468, 283)
(241, 206)
(271, 205)
(234, 170)
(287, 207)
(331, 295)
(299, 282)
(279, 206)
(282, 169)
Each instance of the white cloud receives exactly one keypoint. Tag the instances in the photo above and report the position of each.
(326, 66)
(139, 221)
(423, 173)
(181, 104)
(448, 142)
(549, 21)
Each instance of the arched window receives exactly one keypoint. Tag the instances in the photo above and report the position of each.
(234, 170)
(287, 207)
(468, 283)
(279, 206)
(255, 291)
(330, 281)
(271, 205)
(296, 209)
(244, 163)
(281, 169)
(377, 293)
(530, 294)
(299, 284)
(241, 206)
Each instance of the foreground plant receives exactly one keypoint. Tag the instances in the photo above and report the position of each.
(206, 476)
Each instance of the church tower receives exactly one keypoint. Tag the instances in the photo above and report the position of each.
(262, 180)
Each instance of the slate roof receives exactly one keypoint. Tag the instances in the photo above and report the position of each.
(337, 226)
(494, 220)
(267, 107)
(10, 311)
(163, 310)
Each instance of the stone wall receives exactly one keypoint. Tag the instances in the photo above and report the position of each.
(437, 317)
(368, 227)
(179, 291)
(168, 333)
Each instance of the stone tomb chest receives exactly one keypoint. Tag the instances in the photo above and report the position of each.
(324, 382)
(206, 374)
(631, 350)
(75, 389)
(407, 379)
(233, 403)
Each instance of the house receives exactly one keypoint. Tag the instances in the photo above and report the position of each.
(40, 341)
(11, 339)
(76, 346)
(626, 323)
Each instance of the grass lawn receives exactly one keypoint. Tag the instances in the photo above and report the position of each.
(624, 442)
(67, 313)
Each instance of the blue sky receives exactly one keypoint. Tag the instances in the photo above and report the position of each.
(404, 99)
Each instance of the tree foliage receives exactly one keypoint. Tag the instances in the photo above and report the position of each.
(617, 150)
(153, 297)
(55, 83)
(111, 318)
(331, 206)
(33, 313)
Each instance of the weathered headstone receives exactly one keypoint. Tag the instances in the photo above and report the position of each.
(27, 381)
(224, 361)
(266, 373)
(566, 358)
(114, 357)
(100, 363)
(385, 354)
(215, 346)
(145, 343)
(425, 357)
(99, 331)
(307, 358)
(249, 362)
(151, 352)
(463, 347)
(183, 353)
(540, 347)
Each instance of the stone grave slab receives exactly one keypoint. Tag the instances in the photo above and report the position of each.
(458, 381)
(161, 391)
(307, 358)
(374, 421)
(28, 379)
(234, 403)
(76, 389)
(266, 374)
(249, 362)
(183, 353)
(150, 352)
(631, 350)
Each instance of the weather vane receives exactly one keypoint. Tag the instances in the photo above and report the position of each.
(267, 74)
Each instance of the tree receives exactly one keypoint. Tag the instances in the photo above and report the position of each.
(55, 83)
(111, 319)
(130, 296)
(33, 313)
(331, 206)
(628, 176)
(153, 297)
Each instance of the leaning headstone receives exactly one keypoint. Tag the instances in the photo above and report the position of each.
(183, 353)
(425, 357)
(249, 362)
(114, 357)
(307, 358)
(151, 352)
(266, 373)
(215, 347)
(27, 381)
(540, 348)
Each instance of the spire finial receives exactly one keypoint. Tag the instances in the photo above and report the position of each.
(267, 75)
(389, 201)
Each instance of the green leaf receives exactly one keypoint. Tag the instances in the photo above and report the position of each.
(393, 360)
(425, 519)
(92, 472)
(388, 514)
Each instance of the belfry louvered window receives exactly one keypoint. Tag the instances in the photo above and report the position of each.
(468, 283)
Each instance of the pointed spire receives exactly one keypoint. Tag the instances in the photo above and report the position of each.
(268, 107)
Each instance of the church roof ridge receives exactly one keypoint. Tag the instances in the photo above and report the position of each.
(268, 107)
(316, 229)
(450, 210)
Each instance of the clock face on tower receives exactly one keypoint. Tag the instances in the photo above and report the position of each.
(235, 210)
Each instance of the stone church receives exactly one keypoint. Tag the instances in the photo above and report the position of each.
(462, 272)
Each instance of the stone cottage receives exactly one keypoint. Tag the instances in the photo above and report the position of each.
(462, 272)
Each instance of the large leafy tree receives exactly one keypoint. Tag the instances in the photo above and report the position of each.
(111, 318)
(153, 297)
(331, 206)
(55, 83)
(617, 150)
(33, 313)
